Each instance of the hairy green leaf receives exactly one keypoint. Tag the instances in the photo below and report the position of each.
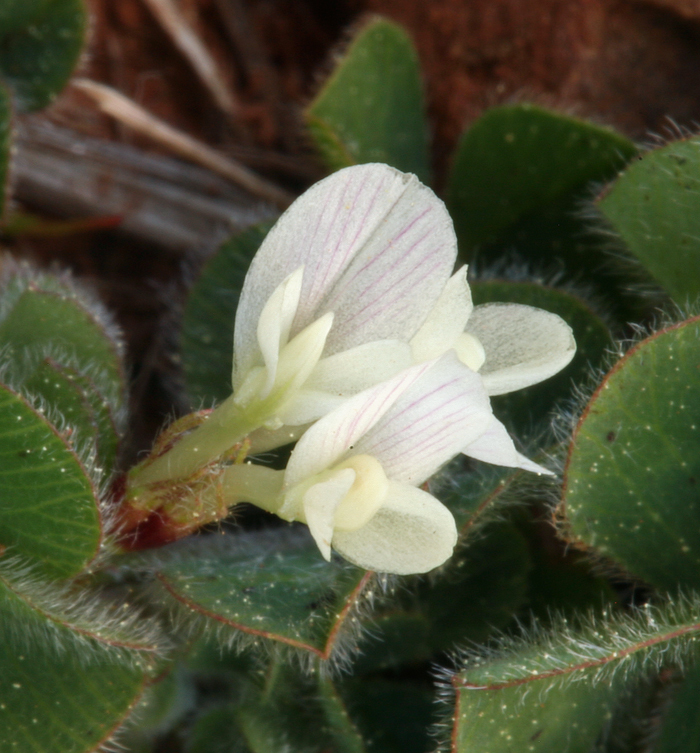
(49, 509)
(517, 161)
(557, 691)
(631, 479)
(61, 701)
(655, 206)
(371, 108)
(267, 587)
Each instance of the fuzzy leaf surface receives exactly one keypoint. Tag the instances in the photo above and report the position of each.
(557, 692)
(49, 509)
(61, 701)
(46, 314)
(40, 42)
(518, 160)
(272, 588)
(655, 206)
(630, 483)
(82, 407)
(61, 347)
(206, 337)
(523, 410)
(371, 107)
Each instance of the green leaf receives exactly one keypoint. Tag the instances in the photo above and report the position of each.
(206, 338)
(79, 404)
(474, 494)
(5, 143)
(59, 345)
(73, 664)
(40, 42)
(655, 206)
(680, 725)
(49, 315)
(291, 711)
(516, 161)
(15, 14)
(267, 587)
(557, 691)
(65, 701)
(371, 108)
(475, 594)
(631, 480)
(49, 509)
(524, 411)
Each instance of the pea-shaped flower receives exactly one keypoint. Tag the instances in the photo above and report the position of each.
(354, 476)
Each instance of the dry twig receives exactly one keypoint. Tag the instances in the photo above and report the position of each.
(192, 47)
(126, 111)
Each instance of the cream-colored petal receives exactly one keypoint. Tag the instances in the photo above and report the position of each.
(359, 368)
(411, 533)
(276, 321)
(447, 320)
(495, 446)
(524, 345)
(308, 406)
(299, 357)
(319, 506)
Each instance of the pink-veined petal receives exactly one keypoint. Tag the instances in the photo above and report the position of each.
(337, 432)
(524, 345)
(431, 422)
(446, 321)
(496, 447)
(377, 247)
(411, 533)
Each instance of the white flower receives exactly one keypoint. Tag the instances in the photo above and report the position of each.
(353, 477)
(353, 267)
(350, 287)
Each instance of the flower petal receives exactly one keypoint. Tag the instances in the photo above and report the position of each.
(377, 247)
(430, 423)
(333, 435)
(446, 321)
(495, 446)
(320, 504)
(411, 533)
(276, 321)
(524, 345)
(361, 367)
(308, 406)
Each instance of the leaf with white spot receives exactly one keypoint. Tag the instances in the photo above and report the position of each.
(633, 471)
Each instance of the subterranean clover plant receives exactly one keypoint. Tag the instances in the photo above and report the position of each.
(392, 424)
